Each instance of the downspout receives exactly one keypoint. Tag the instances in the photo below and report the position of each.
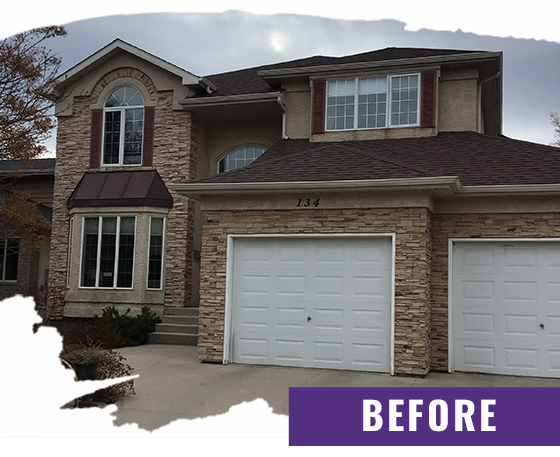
(283, 108)
(490, 78)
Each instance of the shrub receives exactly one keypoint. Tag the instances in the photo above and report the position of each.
(115, 330)
(113, 366)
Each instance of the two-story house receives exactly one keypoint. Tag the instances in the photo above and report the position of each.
(361, 212)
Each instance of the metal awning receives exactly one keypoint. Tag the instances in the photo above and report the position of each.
(121, 188)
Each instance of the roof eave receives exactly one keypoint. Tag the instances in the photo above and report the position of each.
(229, 100)
(197, 190)
(393, 63)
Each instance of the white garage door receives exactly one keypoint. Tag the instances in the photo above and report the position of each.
(313, 302)
(506, 308)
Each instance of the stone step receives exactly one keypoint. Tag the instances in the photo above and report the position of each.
(180, 320)
(179, 339)
(181, 312)
(177, 328)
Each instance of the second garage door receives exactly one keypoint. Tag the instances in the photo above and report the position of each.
(320, 302)
(506, 307)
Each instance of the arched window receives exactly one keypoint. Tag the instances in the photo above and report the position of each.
(239, 158)
(123, 127)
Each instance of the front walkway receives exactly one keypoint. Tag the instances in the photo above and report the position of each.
(174, 385)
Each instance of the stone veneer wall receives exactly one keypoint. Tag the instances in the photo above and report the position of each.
(445, 226)
(412, 282)
(173, 157)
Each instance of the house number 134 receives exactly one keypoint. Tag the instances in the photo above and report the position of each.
(305, 202)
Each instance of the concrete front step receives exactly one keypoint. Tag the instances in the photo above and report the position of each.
(180, 339)
(179, 326)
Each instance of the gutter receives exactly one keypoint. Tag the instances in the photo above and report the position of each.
(283, 108)
(196, 190)
(202, 102)
(491, 78)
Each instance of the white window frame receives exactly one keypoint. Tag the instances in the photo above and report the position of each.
(388, 124)
(98, 255)
(162, 253)
(69, 264)
(236, 150)
(122, 110)
(4, 255)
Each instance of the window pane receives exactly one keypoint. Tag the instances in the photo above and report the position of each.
(112, 137)
(108, 246)
(240, 158)
(89, 253)
(126, 252)
(404, 94)
(340, 103)
(134, 126)
(10, 257)
(371, 108)
(155, 258)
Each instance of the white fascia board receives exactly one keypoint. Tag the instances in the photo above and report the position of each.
(229, 100)
(188, 79)
(194, 190)
(431, 60)
(530, 189)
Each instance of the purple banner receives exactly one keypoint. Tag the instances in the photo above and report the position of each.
(424, 416)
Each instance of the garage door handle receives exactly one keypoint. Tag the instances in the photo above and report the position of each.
(308, 318)
(542, 326)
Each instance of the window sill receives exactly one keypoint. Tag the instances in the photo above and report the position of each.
(375, 134)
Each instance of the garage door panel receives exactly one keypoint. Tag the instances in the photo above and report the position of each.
(502, 293)
(317, 302)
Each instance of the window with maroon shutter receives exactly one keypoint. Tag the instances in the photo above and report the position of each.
(428, 110)
(318, 112)
(95, 138)
(148, 147)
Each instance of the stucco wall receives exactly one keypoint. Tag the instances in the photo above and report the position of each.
(412, 282)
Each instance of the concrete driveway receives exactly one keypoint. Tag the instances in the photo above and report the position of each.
(174, 385)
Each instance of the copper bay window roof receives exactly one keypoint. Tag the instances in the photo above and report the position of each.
(121, 188)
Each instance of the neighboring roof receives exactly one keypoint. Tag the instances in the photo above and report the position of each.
(476, 159)
(42, 210)
(248, 81)
(36, 166)
(121, 188)
(188, 78)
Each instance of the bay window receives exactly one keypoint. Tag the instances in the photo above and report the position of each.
(108, 252)
(373, 102)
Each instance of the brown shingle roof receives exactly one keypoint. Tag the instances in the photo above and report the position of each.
(247, 81)
(478, 160)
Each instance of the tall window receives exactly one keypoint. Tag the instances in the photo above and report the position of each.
(9, 256)
(108, 252)
(123, 127)
(239, 158)
(373, 102)
(155, 252)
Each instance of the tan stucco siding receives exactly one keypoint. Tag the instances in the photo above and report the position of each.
(458, 105)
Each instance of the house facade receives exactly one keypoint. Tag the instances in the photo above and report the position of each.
(24, 267)
(361, 212)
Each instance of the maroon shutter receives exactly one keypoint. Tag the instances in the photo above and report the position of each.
(428, 112)
(148, 146)
(318, 111)
(95, 138)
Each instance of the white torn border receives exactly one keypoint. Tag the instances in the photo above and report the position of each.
(537, 19)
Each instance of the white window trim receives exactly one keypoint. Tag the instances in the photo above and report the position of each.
(4, 254)
(388, 124)
(122, 109)
(98, 259)
(162, 253)
(69, 263)
(230, 253)
(235, 150)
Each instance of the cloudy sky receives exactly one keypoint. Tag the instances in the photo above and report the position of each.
(208, 43)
